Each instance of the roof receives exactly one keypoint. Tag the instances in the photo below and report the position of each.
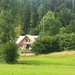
(31, 37)
(19, 39)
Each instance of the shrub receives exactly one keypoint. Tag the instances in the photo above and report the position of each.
(67, 41)
(45, 45)
(8, 53)
(57, 43)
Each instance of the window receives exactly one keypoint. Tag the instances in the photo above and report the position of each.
(27, 40)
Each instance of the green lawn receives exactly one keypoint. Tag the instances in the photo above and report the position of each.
(41, 65)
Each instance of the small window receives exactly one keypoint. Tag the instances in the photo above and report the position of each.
(27, 40)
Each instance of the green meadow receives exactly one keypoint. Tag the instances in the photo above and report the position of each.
(50, 64)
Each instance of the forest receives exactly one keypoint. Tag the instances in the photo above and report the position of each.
(36, 17)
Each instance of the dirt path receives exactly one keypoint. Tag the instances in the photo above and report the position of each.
(27, 54)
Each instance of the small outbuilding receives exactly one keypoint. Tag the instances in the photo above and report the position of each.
(25, 42)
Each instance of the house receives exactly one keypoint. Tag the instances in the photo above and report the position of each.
(25, 42)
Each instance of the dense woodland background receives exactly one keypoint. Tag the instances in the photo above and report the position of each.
(36, 17)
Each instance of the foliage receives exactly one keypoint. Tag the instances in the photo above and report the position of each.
(65, 16)
(8, 19)
(25, 17)
(44, 17)
(70, 28)
(42, 10)
(63, 30)
(45, 45)
(49, 25)
(8, 53)
(34, 10)
(67, 41)
(29, 15)
(56, 43)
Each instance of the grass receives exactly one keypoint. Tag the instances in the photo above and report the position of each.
(50, 64)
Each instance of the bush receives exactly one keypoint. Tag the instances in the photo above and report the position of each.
(8, 53)
(67, 41)
(45, 45)
(57, 43)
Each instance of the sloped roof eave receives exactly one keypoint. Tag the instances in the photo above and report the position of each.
(31, 37)
(20, 39)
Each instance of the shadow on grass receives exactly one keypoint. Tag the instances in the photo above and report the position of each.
(37, 62)
(30, 62)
